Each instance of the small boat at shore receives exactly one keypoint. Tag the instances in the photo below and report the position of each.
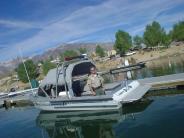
(3, 95)
(64, 89)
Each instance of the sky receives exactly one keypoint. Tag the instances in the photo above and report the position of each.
(37, 25)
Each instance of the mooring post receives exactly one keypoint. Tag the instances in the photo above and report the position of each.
(7, 104)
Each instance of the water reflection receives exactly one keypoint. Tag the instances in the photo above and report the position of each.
(85, 124)
(158, 67)
(163, 66)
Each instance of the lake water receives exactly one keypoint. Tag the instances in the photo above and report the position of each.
(163, 66)
(158, 116)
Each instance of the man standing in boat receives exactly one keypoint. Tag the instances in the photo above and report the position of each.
(95, 82)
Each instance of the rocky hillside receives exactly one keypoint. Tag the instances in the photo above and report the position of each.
(4, 71)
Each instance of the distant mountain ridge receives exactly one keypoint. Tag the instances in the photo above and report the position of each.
(55, 52)
(8, 66)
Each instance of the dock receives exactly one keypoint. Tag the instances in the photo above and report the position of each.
(19, 98)
(18, 101)
(148, 84)
(161, 80)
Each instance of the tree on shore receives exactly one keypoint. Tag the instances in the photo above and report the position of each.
(177, 33)
(31, 70)
(70, 53)
(166, 39)
(47, 65)
(137, 41)
(123, 42)
(100, 51)
(67, 54)
(155, 35)
(82, 50)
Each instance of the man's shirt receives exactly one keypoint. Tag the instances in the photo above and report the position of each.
(95, 81)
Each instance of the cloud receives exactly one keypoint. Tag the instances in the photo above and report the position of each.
(86, 22)
(18, 24)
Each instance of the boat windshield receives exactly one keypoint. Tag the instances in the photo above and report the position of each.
(82, 69)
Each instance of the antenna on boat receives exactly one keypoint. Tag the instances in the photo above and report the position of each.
(20, 52)
(57, 74)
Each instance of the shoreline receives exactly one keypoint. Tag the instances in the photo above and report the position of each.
(140, 56)
(153, 58)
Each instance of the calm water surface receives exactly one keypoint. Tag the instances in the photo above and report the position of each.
(161, 117)
(163, 66)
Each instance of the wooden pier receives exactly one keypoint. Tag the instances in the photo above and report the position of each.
(19, 98)
(163, 80)
(155, 83)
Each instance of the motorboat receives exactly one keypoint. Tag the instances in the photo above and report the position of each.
(64, 89)
(4, 95)
(22, 92)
